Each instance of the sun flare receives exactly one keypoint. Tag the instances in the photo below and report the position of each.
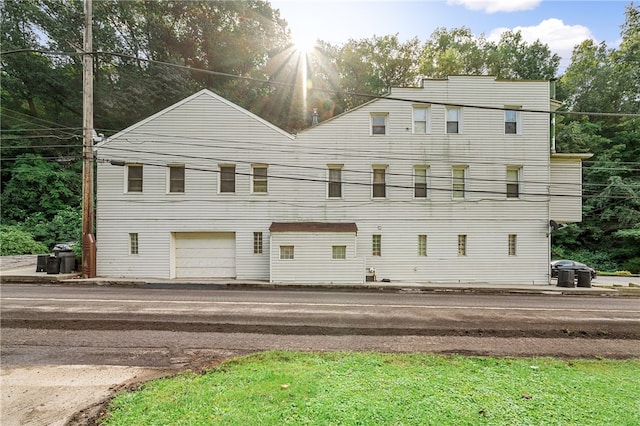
(303, 41)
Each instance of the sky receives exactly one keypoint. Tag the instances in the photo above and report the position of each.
(560, 24)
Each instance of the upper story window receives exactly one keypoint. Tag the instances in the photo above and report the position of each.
(134, 177)
(227, 178)
(420, 182)
(512, 121)
(379, 181)
(421, 119)
(513, 181)
(176, 178)
(379, 123)
(454, 120)
(334, 189)
(259, 173)
(459, 188)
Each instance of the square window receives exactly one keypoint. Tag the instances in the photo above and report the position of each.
(379, 124)
(462, 245)
(134, 178)
(286, 252)
(338, 252)
(260, 179)
(257, 243)
(227, 178)
(379, 182)
(376, 243)
(420, 187)
(513, 238)
(133, 243)
(422, 245)
(176, 178)
(335, 182)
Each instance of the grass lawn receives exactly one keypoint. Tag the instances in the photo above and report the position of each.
(300, 388)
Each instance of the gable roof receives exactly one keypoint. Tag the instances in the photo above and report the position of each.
(202, 92)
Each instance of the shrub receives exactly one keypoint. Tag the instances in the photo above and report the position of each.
(632, 265)
(15, 242)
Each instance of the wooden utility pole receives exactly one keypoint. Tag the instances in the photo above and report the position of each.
(88, 240)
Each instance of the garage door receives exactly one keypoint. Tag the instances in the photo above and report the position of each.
(205, 255)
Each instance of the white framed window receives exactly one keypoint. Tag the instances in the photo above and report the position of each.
(462, 245)
(421, 119)
(134, 177)
(422, 245)
(513, 240)
(334, 181)
(513, 179)
(454, 120)
(379, 182)
(176, 178)
(259, 175)
(227, 178)
(338, 252)
(421, 182)
(133, 243)
(257, 243)
(459, 182)
(379, 123)
(512, 120)
(376, 245)
(286, 252)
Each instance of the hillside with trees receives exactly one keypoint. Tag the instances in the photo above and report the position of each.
(148, 55)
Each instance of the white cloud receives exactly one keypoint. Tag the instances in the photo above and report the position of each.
(560, 37)
(493, 6)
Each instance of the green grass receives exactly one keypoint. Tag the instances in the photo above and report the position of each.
(290, 388)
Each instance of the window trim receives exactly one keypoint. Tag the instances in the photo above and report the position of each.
(427, 175)
(284, 252)
(376, 245)
(221, 180)
(512, 248)
(459, 121)
(427, 119)
(134, 244)
(422, 245)
(465, 182)
(170, 169)
(518, 119)
(330, 183)
(518, 182)
(258, 243)
(128, 180)
(384, 126)
(383, 168)
(341, 255)
(462, 244)
(259, 179)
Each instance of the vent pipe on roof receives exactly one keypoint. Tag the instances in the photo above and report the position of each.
(314, 117)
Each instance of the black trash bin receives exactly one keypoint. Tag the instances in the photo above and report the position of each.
(584, 278)
(53, 265)
(566, 278)
(41, 265)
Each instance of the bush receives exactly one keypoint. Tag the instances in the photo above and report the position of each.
(632, 265)
(15, 242)
(66, 226)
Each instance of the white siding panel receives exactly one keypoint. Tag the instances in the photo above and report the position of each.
(566, 190)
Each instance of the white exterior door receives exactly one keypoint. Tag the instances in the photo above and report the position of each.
(205, 254)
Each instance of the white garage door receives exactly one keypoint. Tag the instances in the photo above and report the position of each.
(205, 254)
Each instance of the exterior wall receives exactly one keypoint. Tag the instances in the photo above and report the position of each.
(312, 260)
(566, 189)
(205, 131)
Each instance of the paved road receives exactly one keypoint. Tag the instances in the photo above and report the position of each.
(65, 349)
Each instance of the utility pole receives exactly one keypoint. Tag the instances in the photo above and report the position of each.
(88, 240)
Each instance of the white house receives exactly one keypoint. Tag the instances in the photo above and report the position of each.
(453, 181)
